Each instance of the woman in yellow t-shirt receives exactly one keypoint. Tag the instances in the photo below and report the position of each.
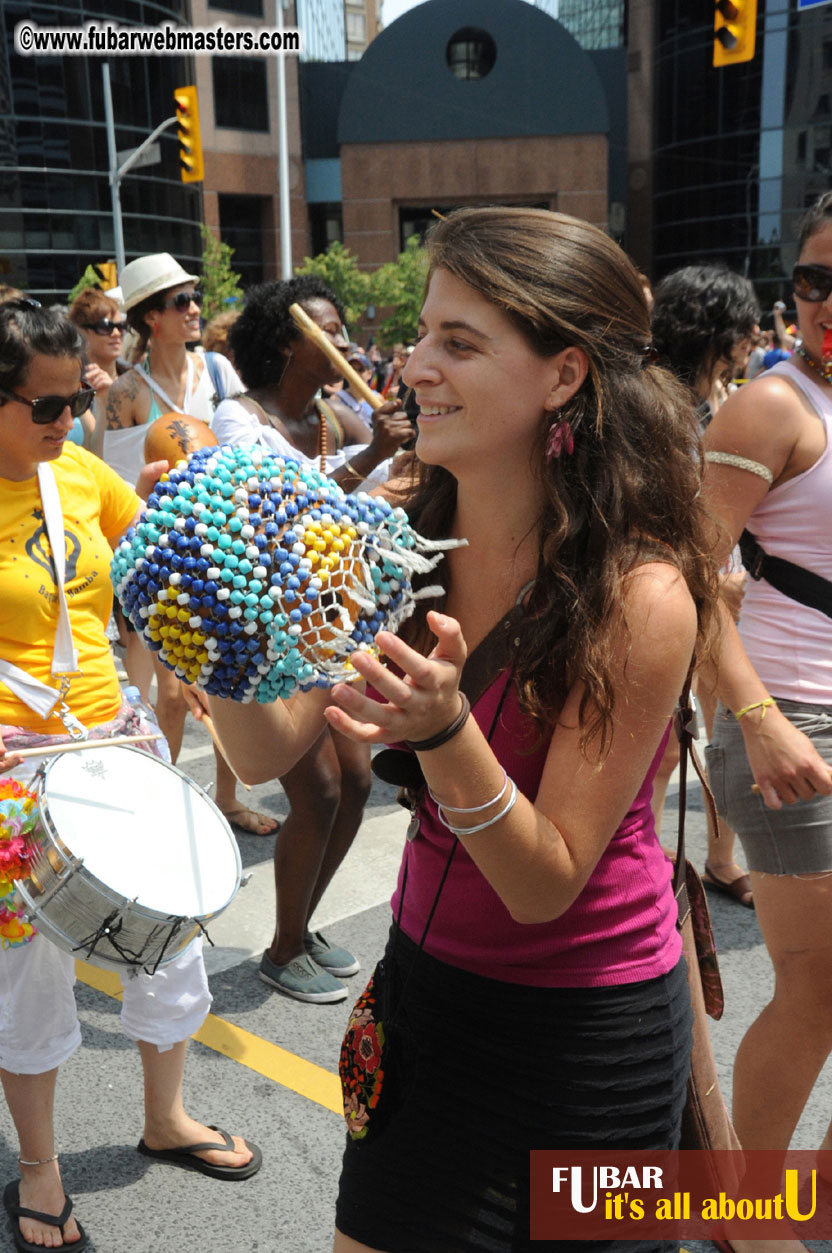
(40, 393)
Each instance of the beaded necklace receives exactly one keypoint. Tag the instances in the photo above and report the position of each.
(823, 371)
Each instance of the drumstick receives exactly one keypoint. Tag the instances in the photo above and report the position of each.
(76, 746)
(208, 722)
(356, 383)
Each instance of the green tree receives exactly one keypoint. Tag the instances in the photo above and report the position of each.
(399, 285)
(88, 279)
(220, 284)
(338, 267)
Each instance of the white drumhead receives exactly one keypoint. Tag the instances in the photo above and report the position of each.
(143, 829)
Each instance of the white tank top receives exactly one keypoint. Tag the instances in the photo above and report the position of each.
(789, 644)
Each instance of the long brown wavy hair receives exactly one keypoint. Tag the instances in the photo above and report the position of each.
(631, 489)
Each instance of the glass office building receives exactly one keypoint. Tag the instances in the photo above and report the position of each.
(55, 203)
(741, 151)
(595, 24)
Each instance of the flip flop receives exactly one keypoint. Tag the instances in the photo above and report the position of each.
(232, 816)
(739, 890)
(184, 1156)
(16, 1211)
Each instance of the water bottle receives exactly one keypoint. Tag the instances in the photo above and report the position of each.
(134, 698)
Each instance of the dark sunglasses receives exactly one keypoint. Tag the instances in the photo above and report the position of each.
(106, 326)
(182, 301)
(48, 409)
(812, 282)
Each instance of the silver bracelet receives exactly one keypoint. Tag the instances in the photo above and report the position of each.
(42, 1161)
(475, 809)
(490, 822)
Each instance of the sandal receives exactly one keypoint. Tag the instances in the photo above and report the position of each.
(739, 889)
(186, 1156)
(249, 821)
(16, 1211)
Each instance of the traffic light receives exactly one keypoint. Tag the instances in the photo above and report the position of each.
(735, 31)
(190, 141)
(107, 273)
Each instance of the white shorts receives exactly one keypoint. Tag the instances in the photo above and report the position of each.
(39, 1026)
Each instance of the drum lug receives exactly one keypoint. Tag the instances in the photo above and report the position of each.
(62, 878)
(244, 879)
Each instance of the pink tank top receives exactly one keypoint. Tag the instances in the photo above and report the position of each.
(622, 927)
(789, 644)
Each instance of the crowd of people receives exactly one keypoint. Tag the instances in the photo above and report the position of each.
(632, 509)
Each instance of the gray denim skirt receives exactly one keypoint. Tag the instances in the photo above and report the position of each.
(796, 839)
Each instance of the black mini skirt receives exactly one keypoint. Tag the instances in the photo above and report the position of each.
(485, 1072)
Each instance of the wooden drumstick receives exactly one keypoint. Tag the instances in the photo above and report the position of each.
(356, 383)
(208, 722)
(77, 746)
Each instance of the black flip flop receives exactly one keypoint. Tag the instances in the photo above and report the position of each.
(16, 1211)
(184, 1156)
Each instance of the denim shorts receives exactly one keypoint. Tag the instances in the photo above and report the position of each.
(794, 840)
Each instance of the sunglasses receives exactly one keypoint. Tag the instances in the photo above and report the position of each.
(812, 282)
(46, 409)
(106, 326)
(181, 302)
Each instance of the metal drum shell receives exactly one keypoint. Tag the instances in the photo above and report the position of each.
(67, 903)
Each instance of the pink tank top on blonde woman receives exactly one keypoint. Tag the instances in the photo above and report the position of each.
(789, 644)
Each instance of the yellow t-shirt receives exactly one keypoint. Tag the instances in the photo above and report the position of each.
(98, 507)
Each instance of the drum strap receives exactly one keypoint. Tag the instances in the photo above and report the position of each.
(34, 694)
(64, 656)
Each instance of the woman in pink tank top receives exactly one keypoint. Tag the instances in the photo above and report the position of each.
(770, 473)
(533, 975)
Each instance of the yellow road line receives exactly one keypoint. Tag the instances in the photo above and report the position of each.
(283, 1067)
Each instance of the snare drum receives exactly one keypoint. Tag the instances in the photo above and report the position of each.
(133, 858)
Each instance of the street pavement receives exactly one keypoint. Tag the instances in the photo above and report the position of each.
(267, 1069)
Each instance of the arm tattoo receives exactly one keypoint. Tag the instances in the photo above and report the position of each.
(120, 400)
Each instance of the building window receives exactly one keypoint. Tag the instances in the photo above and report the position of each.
(250, 8)
(241, 96)
(325, 226)
(827, 54)
(356, 27)
(243, 224)
(471, 53)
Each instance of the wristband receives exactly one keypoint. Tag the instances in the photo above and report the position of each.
(759, 704)
(424, 746)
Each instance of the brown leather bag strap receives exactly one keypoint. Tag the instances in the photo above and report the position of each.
(683, 726)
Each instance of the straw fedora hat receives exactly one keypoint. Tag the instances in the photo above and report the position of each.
(148, 275)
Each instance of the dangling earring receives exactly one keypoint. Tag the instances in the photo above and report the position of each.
(560, 439)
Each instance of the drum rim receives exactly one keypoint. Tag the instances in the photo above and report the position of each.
(41, 778)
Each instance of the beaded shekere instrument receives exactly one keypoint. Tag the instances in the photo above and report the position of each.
(252, 576)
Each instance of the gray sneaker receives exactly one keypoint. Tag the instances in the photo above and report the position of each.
(338, 961)
(303, 979)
